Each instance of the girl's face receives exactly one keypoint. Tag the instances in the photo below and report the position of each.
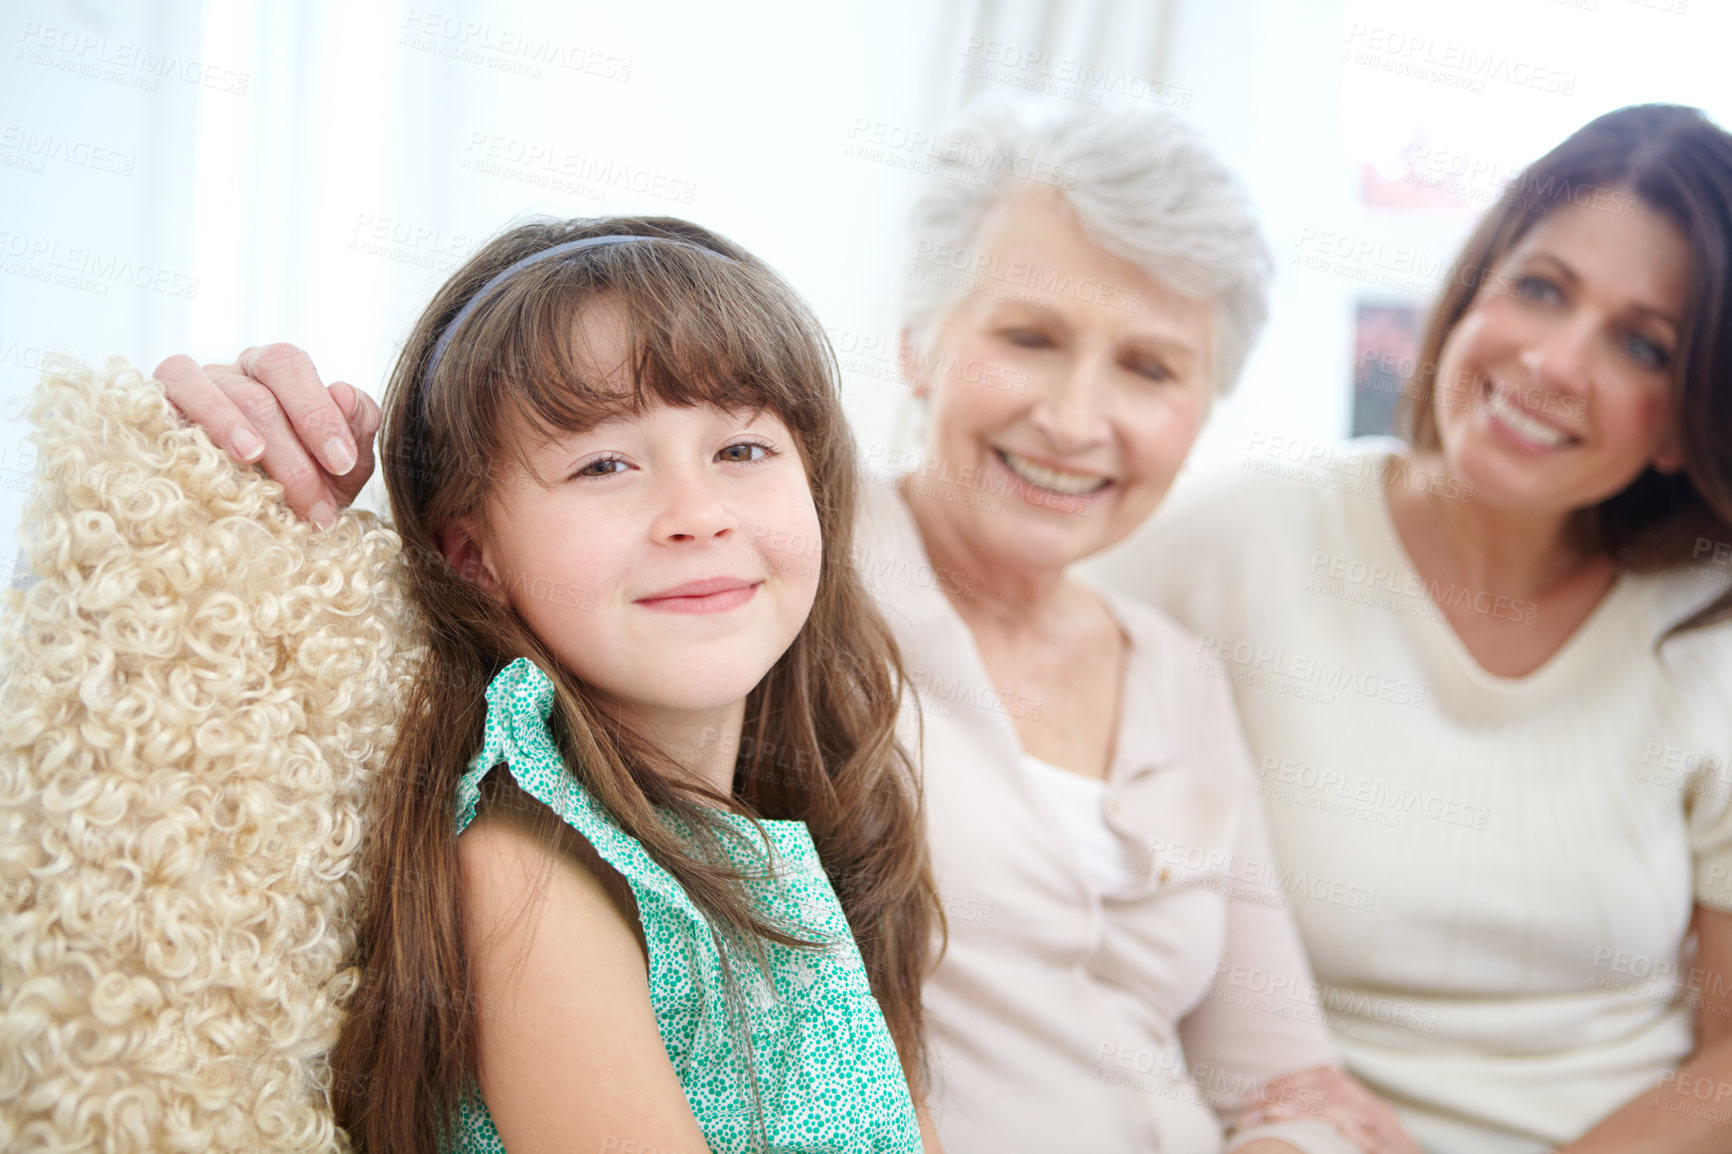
(667, 560)
(1064, 399)
(1553, 390)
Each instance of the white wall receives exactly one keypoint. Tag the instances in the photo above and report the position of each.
(1282, 90)
(238, 158)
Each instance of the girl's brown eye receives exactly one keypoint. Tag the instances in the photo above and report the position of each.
(745, 452)
(603, 467)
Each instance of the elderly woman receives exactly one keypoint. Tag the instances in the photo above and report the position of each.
(1122, 971)
(1120, 955)
(1480, 672)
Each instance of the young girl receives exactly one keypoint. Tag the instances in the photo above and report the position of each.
(653, 717)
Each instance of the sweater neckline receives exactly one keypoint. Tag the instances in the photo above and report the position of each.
(960, 652)
(1607, 622)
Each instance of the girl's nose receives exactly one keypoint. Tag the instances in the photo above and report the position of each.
(690, 509)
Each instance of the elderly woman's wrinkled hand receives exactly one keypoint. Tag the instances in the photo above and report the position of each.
(271, 408)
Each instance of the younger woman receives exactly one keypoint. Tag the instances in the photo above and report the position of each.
(611, 449)
(1486, 673)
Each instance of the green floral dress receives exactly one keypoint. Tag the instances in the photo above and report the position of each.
(827, 1074)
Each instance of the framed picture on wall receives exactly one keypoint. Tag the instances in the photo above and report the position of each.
(1385, 355)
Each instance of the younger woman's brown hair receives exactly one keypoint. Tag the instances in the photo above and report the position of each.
(1674, 161)
(819, 744)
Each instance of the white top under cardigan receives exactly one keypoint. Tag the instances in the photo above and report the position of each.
(1064, 1018)
(1499, 871)
(1078, 805)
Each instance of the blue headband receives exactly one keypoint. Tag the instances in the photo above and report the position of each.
(474, 302)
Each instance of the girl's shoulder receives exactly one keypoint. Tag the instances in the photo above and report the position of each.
(517, 860)
(548, 797)
(518, 789)
(512, 826)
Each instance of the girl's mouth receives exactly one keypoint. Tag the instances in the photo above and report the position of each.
(711, 595)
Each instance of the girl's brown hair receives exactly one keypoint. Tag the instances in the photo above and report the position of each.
(819, 740)
(1674, 161)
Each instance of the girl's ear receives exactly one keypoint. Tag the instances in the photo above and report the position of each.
(466, 554)
(911, 370)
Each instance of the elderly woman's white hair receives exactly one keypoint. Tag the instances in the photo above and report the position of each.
(1145, 186)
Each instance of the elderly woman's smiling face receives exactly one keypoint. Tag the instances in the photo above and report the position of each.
(1066, 388)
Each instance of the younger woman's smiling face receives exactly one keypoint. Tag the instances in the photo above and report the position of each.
(1554, 389)
(667, 559)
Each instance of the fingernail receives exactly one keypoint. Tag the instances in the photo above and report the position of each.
(324, 514)
(339, 458)
(247, 444)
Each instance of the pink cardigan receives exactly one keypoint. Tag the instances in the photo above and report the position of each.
(1062, 1019)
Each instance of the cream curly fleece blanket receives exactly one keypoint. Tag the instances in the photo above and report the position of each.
(195, 692)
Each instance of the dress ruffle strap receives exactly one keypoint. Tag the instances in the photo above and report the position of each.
(519, 694)
(519, 703)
